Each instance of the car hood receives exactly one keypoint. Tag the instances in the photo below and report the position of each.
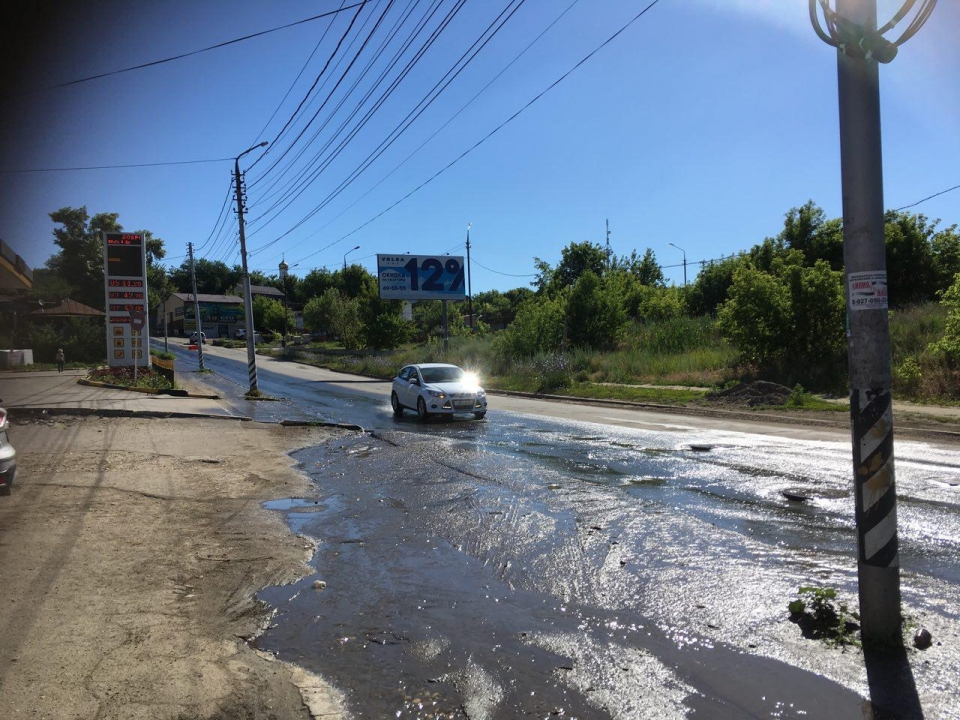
(455, 388)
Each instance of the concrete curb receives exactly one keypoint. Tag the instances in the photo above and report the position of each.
(321, 423)
(119, 412)
(174, 392)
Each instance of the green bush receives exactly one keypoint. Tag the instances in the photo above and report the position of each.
(82, 340)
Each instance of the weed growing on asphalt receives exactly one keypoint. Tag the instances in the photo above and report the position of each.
(821, 617)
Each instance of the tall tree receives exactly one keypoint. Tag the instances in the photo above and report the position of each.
(79, 263)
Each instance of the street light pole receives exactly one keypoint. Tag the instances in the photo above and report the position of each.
(345, 256)
(684, 261)
(247, 299)
(469, 286)
(283, 281)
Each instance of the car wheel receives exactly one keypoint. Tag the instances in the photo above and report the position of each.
(395, 403)
(422, 409)
(480, 415)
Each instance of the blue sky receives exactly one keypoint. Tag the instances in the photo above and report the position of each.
(700, 125)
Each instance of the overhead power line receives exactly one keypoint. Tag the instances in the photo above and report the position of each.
(119, 167)
(486, 137)
(929, 197)
(206, 49)
(435, 133)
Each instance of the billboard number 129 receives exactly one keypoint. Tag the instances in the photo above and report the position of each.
(433, 269)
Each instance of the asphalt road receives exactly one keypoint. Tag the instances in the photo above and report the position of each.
(592, 561)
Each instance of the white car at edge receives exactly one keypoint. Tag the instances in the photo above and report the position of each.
(437, 389)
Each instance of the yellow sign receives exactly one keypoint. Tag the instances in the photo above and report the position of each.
(118, 354)
(118, 331)
(118, 342)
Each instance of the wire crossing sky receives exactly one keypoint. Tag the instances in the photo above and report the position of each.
(696, 125)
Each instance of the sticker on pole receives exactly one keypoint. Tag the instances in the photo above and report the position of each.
(868, 290)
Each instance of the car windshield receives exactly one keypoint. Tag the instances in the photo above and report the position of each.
(441, 374)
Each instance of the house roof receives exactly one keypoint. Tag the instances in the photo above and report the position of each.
(68, 308)
(265, 290)
(201, 297)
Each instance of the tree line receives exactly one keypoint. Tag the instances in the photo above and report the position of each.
(780, 303)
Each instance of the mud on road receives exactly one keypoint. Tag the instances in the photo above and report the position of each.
(131, 551)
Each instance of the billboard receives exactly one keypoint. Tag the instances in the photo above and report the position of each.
(125, 281)
(421, 277)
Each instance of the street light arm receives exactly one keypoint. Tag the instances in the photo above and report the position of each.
(250, 150)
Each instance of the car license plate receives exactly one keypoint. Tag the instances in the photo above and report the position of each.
(463, 404)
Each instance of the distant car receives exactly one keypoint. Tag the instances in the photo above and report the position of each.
(8, 456)
(193, 337)
(437, 389)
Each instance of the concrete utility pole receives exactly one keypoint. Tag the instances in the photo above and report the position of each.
(247, 297)
(865, 261)
(196, 308)
(469, 286)
(852, 29)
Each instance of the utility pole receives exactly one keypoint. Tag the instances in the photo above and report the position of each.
(196, 307)
(469, 285)
(864, 259)
(852, 28)
(247, 297)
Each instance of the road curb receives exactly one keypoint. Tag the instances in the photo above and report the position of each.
(173, 392)
(321, 423)
(120, 412)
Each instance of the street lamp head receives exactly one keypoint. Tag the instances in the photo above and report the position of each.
(250, 150)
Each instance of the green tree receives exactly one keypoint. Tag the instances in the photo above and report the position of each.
(318, 313)
(595, 316)
(710, 288)
(537, 328)
(945, 246)
(949, 345)
(575, 259)
(911, 276)
(316, 282)
(754, 315)
(788, 323)
(79, 262)
(644, 268)
(268, 314)
(346, 324)
(213, 277)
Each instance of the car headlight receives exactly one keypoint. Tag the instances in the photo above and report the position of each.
(436, 393)
(481, 393)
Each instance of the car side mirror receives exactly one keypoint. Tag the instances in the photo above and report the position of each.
(414, 381)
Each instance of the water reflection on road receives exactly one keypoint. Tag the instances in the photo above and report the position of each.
(524, 565)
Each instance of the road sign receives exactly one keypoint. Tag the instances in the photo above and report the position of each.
(138, 319)
(421, 277)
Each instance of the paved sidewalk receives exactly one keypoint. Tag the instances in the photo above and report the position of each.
(49, 390)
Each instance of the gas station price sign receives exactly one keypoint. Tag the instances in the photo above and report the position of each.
(125, 280)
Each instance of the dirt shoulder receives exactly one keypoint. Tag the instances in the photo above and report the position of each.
(130, 552)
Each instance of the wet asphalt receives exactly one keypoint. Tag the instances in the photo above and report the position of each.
(530, 567)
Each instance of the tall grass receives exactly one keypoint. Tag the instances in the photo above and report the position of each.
(918, 373)
(682, 351)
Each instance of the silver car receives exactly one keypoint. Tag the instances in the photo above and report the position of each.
(8, 456)
(437, 389)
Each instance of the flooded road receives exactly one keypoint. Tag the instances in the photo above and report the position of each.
(527, 566)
